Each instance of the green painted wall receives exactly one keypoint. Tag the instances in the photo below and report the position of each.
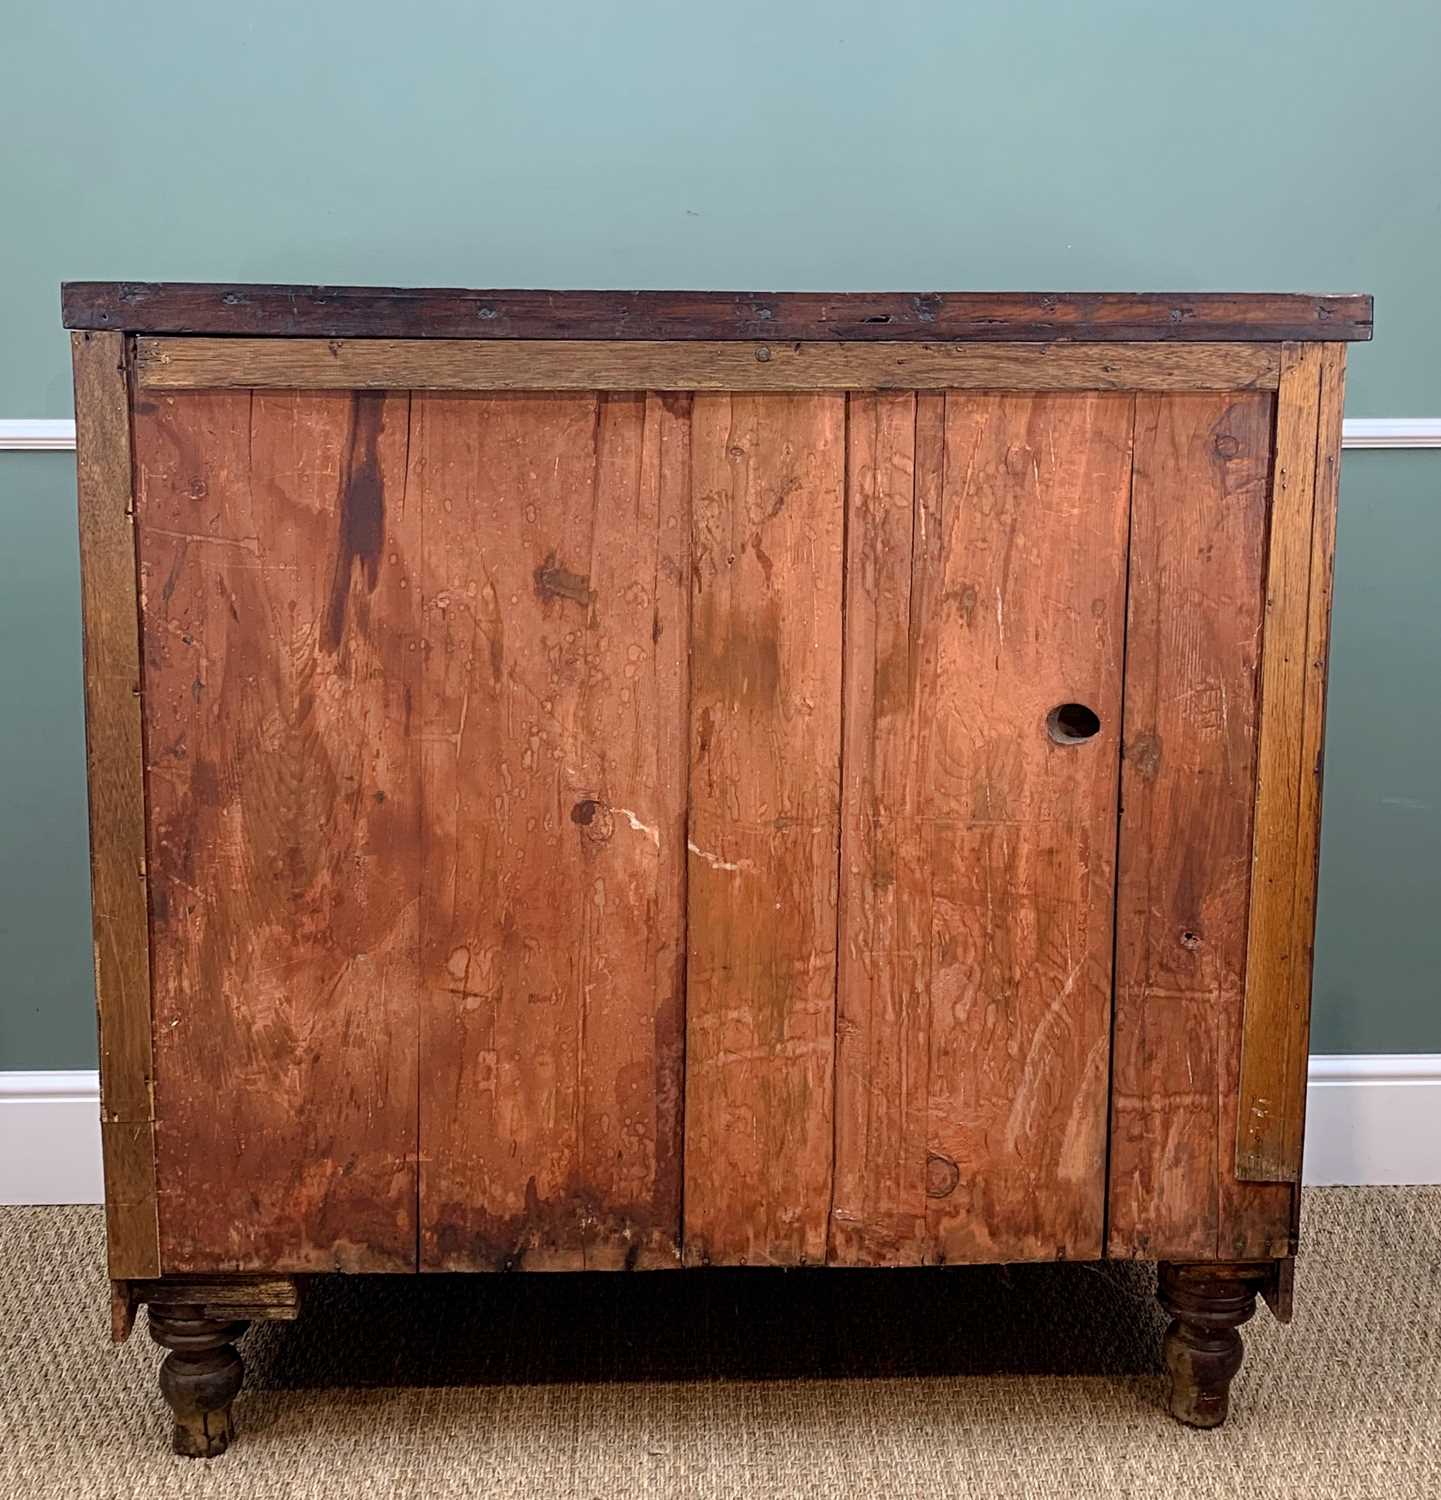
(1109, 144)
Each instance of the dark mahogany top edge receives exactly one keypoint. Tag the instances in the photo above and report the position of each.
(174, 307)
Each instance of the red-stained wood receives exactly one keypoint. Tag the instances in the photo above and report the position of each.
(277, 548)
(985, 587)
(1198, 535)
(768, 476)
(552, 715)
(447, 312)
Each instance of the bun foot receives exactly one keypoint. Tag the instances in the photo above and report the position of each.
(200, 1377)
(1203, 1351)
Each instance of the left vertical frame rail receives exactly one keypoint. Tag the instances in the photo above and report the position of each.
(116, 773)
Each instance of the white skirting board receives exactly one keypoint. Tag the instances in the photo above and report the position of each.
(1369, 1119)
(39, 434)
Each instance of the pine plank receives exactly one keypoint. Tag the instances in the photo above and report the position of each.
(1198, 534)
(555, 583)
(1313, 730)
(768, 481)
(278, 550)
(1272, 1082)
(115, 765)
(586, 365)
(985, 586)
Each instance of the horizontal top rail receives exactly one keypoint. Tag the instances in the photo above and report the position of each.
(930, 317)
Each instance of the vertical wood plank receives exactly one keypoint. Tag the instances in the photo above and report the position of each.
(977, 849)
(1198, 531)
(894, 475)
(553, 720)
(768, 520)
(278, 550)
(115, 764)
(1313, 734)
(1272, 1084)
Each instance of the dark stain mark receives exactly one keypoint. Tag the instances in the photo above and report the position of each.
(173, 577)
(676, 403)
(594, 819)
(576, 1217)
(963, 598)
(362, 512)
(204, 784)
(705, 731)
(942, 1176)
(656, 628)
(746, 666)
(1145, 755)
(380, 797)
(555, 582)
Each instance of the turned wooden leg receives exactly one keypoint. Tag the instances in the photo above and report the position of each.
(1207, 1304)
(200, 1376)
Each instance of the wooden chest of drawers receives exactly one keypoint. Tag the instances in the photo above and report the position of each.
(599, 780)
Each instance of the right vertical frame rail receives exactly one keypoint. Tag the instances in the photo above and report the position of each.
(1295, 643)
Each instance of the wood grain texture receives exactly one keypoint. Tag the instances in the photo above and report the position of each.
(460, 364)
(768, 478)
(1270, 1097)
(115, 767)
(986, 586)
(399, 312)
(555, 581)
(1198, 535)
(274, 1299)
(1313, 734)
(1276, 1028)
(280, 617)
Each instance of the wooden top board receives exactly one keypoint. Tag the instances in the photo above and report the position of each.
(933, 317)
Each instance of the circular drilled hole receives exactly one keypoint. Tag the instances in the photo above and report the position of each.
(1070, 723)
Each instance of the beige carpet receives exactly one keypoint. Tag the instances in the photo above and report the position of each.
(1037, 1382)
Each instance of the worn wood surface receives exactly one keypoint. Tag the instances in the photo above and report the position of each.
(429, 679)
(1270, 1098)
(1272, 1087)
(115, 768)
(281, 631)
(200, 1376)
(272, 1299)
(554, 576)
(461, 364)
(1198, 535)
(1313, 733)
(768, 480)
(986, 586)
(399, 312)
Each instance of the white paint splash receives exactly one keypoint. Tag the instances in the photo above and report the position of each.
(715, 861)
(653, 834)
